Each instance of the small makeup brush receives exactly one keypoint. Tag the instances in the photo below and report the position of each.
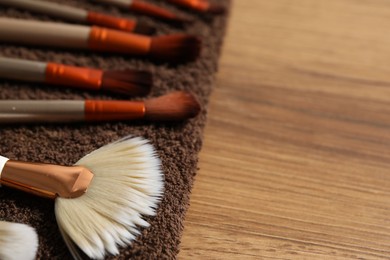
(17, 241)
(175, 106)
(169, 48)
(101, 201)
(128, 82)
(148, 9)
(78, 15)
(203, 6)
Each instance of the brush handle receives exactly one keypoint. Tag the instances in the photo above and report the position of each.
(36, 111)
(44, 33)
(72, 36)
(124, 4)
(22, 69)
(49, 8)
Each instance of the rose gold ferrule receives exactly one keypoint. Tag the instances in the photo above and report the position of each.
(46, 180)
(111, 110)
(198, 5)
(85, 78)
(103, 39)
(111, 21)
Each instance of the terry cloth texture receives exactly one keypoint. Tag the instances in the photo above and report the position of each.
(177, 144)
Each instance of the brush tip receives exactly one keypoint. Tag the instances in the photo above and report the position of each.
(216, 9)
(17, 241)
(127, 82)
(143, 28)
(176, 48)
(175, 106)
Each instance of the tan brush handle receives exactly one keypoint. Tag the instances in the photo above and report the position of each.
(49, 8)
(22, 69)
(44, 33)
(35, 111)
(46, 180)
(124, 4)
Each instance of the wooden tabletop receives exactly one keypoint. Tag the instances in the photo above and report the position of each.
(296, 158)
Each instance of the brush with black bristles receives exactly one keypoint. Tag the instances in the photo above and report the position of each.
(174, 106)
(17, 241)
(173, 48)
(101, 201)
(202, 6)
(78, 15)
(148, 9)
(127, 82)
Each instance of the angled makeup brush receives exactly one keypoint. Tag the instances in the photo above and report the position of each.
(128, 82)
(175, 106)
(78, 15)
(173, 48)
(148, 9)
(101, 201)
(203, 6)
(17, 241)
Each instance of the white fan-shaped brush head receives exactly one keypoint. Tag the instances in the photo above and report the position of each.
(17, 241)
(127, 185)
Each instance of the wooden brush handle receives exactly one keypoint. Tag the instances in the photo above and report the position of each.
(44, 33)
(22, 69)
(49, 8)
(35, 111)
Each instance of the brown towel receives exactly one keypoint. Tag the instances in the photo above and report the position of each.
(177, 144)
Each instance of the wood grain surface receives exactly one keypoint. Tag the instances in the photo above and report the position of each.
(296, 158)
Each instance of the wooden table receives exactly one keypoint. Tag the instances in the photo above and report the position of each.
(296, 159)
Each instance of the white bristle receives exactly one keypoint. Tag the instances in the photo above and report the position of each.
(17, 241)
(127, 185)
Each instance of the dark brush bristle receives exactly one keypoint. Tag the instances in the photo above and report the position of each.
(216, 9)
(143, 28)
(128, 82)
(175, 106)
(176, 48)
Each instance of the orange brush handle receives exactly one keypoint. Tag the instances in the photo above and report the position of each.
(198, 5)
(111, 21)
(152, 10)
(85, 78)
(107, 110)
(103, 39)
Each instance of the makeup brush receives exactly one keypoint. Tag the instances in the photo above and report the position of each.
(128, 82)
(101, 201)
(17, 241)
(78, 15)
(203, 6)
(170, 48)
(148, 9)
(175, 106)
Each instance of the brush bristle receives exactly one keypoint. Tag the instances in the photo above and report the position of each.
(127, 185)
(176, 48)
(216, 9)
(128, 82)
(17, 241)
(143, 28)
(178, 105)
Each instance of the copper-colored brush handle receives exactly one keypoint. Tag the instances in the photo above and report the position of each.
(111, 21)
(35, 111)
(86, 78)
(197, 5)
(46, 180)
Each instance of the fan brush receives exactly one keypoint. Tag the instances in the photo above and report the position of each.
(101, 201)
(173, 48)
(17, 241)
(127, 82)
